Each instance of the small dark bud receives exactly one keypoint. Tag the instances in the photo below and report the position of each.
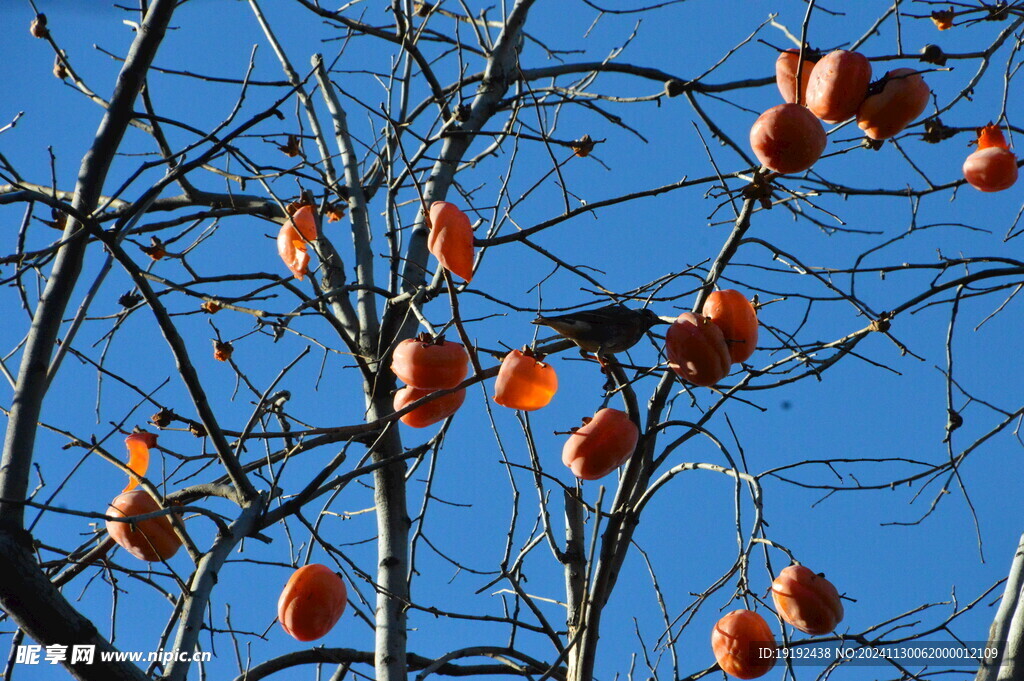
(674, 87)
(933, 54)
(130, 299)
(162, 418)
(38, 27)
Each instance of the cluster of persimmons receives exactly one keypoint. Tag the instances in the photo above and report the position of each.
(310, 604)
(742, 640)
(790, 138)
(315, 597)
(701, 349)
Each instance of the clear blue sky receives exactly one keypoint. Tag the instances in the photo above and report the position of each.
(858, 411)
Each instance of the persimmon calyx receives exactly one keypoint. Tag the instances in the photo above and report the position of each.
(532, 353)
(990, 135)
(429, 339)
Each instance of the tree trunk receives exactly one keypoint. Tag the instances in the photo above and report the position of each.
(1007, 630)
(28, 596)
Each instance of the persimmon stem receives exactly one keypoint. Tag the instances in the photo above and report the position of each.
(803, 48)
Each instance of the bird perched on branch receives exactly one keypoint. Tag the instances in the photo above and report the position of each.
(605, 330)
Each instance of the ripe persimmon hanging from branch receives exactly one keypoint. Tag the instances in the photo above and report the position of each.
(291, 240)
(139, 443)
(451, 239)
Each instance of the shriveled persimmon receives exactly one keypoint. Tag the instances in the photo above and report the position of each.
(992, 167)
(731, 312)
(785, 73)
(807, 600)
(451, 239)
(312, 602)
(601, 445)
(429, 413)
(788, 138)
(943, 19)
(839, 83)
(291, 240)
(430, 363)
(902, 96)
(741, 641)
(222, 351)
(525, 382)
(697, 350)
(151, 539)
(138, 443)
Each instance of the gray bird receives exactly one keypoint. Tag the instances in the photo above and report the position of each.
(605, 330)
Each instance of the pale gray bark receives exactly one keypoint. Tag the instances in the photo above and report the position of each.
(1007, 630)
(392, 552)
(32, 601)
(626, 508)
(201, 586)
(389, 493)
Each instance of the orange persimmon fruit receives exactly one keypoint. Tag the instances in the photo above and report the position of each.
(839, 83)
(139, 443)
(735, 316)
(312, 602)
(902, 98)
(992, 167)
(785, 73)
(291, 241)
(697, 350)
(451, 238)
(430, 363)
(429, 413)
(151, 539)
(739, 640)
(601, 445)
(788, 138)
(807, 600)
(525, 382)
